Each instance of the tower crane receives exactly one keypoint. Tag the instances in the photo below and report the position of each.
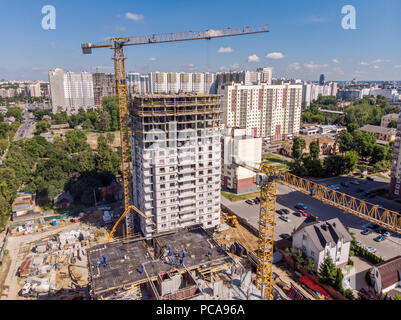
(117, 44)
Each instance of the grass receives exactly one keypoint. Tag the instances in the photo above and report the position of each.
(381, 176)
(269, 159)
(238, 197)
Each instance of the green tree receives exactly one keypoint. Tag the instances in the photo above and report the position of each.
(334, 165)
(298, 144)
(110, 138)
(345, 141)
(41, 127)
(327, 271)
(350, 161)
(314, 149)
(15, 112)
(104, 122)
(379, 154)
(338, 281)
(3, 145)
(392, 124)
(351, 127)
(348, 293)
(363, 143)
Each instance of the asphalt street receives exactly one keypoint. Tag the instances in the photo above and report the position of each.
(288, 198)
(27, 127)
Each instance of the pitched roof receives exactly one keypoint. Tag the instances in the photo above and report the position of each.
(324, 232)
(390, 271)
(377, 129)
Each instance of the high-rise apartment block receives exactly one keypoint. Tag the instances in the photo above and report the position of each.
(321, 79)
(104, 85)
(395, 183)
(71, 91)
(137, 83)
(33, 90)
(236, 145)
(176, 157)
(312, 91)
(269, 111)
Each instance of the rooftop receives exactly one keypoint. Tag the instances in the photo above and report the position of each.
(322, 233)
(377, 129)
(125, 258)
(390, 271)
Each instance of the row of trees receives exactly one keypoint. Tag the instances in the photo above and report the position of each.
(7, 131)
(310, 165)
(368, 110)
(49, 168)
(365, 145)
(99, 120)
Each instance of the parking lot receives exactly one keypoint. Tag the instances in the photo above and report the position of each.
(288, 198)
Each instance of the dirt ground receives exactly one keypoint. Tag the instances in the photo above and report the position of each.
(91, 138)
(240, 234)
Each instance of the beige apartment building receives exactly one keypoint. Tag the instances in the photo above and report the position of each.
(383, 135)
(388, 118)
(269, 111)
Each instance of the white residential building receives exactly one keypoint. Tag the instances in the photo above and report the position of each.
(235, 143)
(198, 82)
(71, 91)
(176, 156)
(158, 82)
(265, 75)
(269, 111)
(186, 82)
(319, 240)
(210, 83)
(173, 82)
(312, 91)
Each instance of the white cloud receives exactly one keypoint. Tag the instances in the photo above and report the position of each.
(222, 68)
(311, 65)
(338, 70)
(275, 55)
(375, 67)
(134, 16)
(335, 61)
(294, 66)
(364, 63)
(253, 58)
(397, 67)
(152, 59)
(191, 67)
(225, 50)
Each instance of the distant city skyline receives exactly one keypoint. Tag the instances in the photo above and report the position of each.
(306, 38)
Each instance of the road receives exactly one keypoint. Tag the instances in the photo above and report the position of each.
(288, 198)
(27, 127)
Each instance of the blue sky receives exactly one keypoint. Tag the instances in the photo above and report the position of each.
(306, 35)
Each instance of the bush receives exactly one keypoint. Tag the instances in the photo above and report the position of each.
(350, 262)
(349, 294)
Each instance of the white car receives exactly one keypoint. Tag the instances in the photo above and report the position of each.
(285, 218)
(370, 249)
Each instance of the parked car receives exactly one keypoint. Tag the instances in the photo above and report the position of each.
(366, 231)
(301, 206)
(256, 200)
(280, 212)
(297, 213)
(249, 201)
(334, 187)
(345, 184)
(359, 190)
(355, 182)
(386, 233)
(380, 238)
(302, 212)
(285, 236)
(285, 218)
(285, 211)
(370, 179)
(370, 249)
(373, 226)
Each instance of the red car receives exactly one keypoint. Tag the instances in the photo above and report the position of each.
(305, 214)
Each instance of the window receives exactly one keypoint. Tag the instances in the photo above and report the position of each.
(162, 186)
(163, 202)
(312, 253)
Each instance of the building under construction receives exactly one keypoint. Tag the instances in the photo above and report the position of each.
(163, 268)
(176, 160)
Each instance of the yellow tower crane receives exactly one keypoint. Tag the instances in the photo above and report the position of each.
(117, 44)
